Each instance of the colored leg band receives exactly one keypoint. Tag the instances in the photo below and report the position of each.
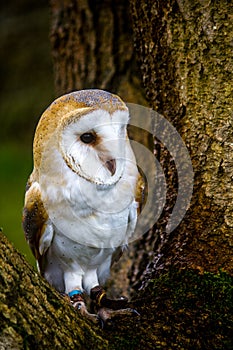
(100, 297)
(74, 292)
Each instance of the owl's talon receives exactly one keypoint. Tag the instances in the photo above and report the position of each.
(135, 312)
(101, 322)
(79, 306)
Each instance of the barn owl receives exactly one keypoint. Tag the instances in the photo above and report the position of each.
(80, 203)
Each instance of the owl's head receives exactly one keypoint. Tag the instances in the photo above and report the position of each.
(90, 128)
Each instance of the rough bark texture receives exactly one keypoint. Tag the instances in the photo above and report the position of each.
(185, 52)
(92, 47)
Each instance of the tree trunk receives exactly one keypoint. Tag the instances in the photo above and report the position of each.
(185, 53)
(92, 47)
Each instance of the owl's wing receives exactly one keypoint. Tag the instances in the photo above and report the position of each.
(37, 228)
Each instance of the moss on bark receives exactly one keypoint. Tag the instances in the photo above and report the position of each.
(181, 310)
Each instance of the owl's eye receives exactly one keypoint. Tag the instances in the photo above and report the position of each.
(88, 137)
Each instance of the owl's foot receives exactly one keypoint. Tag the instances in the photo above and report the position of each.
(110, 308)
(106, 308)
(77, 301)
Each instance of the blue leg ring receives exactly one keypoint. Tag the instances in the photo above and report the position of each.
(74, 292)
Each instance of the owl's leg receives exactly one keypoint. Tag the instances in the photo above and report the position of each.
(73, 281)
(90, 279)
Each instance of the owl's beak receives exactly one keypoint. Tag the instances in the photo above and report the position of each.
(111, 166)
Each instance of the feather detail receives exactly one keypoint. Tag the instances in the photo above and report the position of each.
(35, 221)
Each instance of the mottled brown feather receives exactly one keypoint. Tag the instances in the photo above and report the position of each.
(34, 218)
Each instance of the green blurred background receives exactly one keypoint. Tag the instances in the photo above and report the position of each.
(26, 90)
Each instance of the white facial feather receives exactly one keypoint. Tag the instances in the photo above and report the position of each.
(89, 161)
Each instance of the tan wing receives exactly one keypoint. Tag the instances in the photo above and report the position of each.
(34, 218)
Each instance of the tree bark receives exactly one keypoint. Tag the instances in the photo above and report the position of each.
(92, 47)
(185, 54)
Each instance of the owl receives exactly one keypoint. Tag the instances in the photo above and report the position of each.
(80, 203)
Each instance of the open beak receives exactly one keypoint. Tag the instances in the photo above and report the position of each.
(111, 166)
